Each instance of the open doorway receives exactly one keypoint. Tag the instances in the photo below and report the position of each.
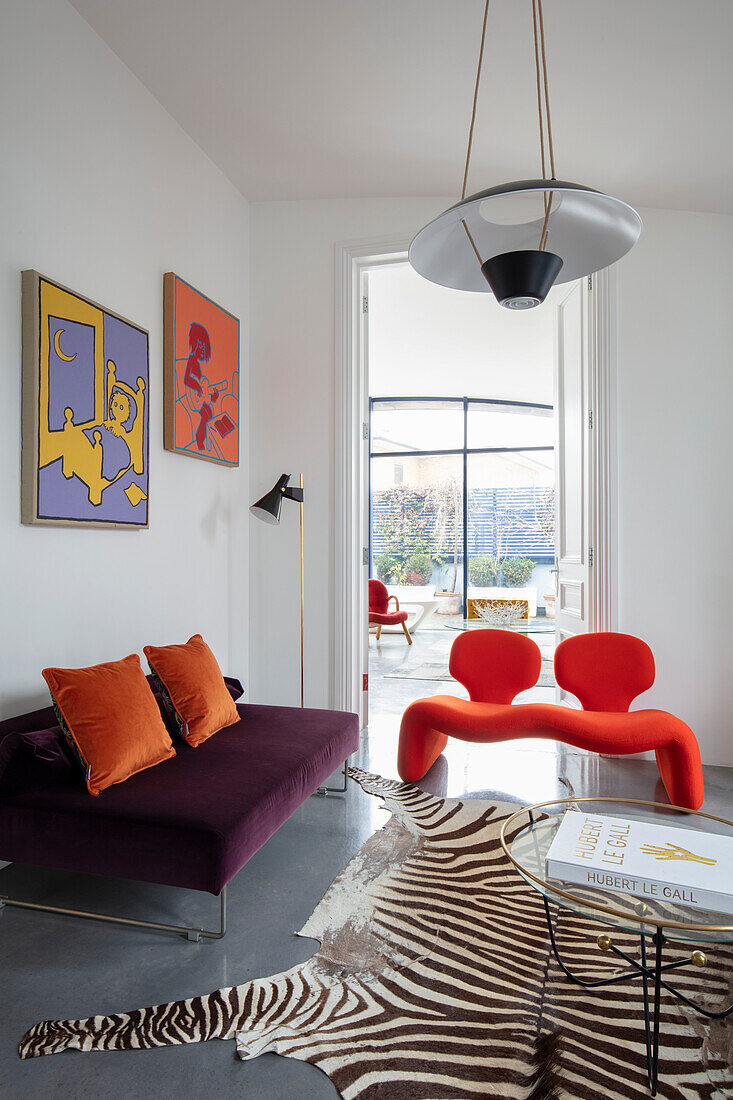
(461, 467)
(581, 319)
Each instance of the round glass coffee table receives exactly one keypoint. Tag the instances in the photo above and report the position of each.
(526, 837)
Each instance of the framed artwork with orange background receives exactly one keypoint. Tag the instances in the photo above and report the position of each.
(200, 375)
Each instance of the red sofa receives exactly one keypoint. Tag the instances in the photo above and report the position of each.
(606, 671)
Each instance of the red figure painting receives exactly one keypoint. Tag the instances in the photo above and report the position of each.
(201, 375)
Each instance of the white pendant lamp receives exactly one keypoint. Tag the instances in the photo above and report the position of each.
(518, 239)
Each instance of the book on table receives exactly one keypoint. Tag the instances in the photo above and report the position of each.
(657, 862)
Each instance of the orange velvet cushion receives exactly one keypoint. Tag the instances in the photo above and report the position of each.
(110, 715)
(192, 678)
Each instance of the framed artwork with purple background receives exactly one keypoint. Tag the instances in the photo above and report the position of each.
(85, 411)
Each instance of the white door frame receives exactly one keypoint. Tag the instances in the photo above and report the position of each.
(351, 411)
(349, 536)
(603, 459)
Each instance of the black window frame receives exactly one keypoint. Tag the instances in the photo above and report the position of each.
(465, 451)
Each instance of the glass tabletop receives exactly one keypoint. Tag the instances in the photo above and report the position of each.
(531, 627)
(526, 838)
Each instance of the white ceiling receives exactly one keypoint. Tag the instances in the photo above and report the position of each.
(342, 98)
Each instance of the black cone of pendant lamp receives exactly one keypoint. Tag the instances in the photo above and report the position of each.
(521, 280)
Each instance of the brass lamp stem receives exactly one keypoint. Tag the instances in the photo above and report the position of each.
(302, 665)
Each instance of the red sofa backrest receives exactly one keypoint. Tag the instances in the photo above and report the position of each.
(494, 665)
(378, 597)
(605, 670)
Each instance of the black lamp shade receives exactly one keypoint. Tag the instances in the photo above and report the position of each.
(521, 280)
(267, 508)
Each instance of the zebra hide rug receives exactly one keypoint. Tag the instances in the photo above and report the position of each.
(435, 981)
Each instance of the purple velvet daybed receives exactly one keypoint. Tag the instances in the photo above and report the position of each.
(192, 821)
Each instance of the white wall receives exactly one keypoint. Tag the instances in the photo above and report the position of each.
(675, 401)
(101, 190)
(675, 391)
(292, 422)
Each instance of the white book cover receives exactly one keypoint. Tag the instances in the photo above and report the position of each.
(658, 862)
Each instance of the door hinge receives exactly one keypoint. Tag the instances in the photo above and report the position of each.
(364, 304)
(365, 555)
(590, 418)
(590, 282)
(590, 557)
(365, 430)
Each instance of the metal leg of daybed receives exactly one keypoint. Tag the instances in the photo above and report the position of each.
(193, 934)
(337, 790)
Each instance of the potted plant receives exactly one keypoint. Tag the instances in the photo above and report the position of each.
(446, 501)
(418, 568)
(483, 571)
(515, 572)
(387, 567)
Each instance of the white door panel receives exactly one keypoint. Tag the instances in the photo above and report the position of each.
(572, 596)
(364, 473)
(573, 506)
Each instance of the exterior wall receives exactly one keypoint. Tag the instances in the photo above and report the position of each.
(486, 470)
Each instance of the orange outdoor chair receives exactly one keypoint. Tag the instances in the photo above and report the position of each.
(379, 614)
(606, 671)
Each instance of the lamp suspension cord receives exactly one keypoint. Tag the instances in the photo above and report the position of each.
(543, 109)
(539, 92)
(543, 113)
(550, 146)
(475, 101)
(470, 129)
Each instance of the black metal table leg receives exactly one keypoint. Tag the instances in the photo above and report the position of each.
(634, 972)
(646, 972)
(653, 1054)
(647, 1015)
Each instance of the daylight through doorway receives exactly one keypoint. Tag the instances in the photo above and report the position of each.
(461, 485)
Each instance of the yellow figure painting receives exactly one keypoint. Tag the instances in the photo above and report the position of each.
(92, 412)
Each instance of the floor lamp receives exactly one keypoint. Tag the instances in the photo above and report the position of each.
(267, 508)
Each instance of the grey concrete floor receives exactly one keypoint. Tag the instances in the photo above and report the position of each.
(62, 967)
(390, 694)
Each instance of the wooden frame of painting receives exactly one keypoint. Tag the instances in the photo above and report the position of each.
(200, 375)
(85, 418)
